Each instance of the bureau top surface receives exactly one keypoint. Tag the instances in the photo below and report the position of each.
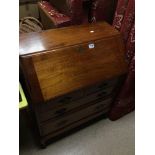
(56, 38)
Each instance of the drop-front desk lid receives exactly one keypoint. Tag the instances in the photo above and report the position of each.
(66, 59)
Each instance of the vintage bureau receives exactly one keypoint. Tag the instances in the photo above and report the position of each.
(72, 74)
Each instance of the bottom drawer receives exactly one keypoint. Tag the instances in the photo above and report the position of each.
(69, 127)
(53, 125)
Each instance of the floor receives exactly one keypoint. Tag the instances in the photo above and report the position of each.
(104, 137)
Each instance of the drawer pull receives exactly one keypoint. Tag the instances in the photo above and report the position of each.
(61, 111)
(62, 123)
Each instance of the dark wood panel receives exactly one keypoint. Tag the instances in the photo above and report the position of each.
(31, 80)
(78, 94)
(70, 128)
(58, 110)
(55, 124)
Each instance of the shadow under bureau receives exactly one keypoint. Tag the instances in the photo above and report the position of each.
(72, 74)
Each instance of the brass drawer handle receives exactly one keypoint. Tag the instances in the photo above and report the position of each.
(61, 111)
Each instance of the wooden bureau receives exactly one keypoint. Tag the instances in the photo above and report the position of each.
(72, 74)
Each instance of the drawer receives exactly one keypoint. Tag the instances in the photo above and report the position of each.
(53, 125)
(106, 87)
(59, 101)
(61, 109)
(72, 126)
(101, 86)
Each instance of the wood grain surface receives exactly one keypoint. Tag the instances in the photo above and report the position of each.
(71, 63)
(67, 69)
(64, 61)
(62, 37)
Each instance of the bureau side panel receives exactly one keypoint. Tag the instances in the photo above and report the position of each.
(31, 80)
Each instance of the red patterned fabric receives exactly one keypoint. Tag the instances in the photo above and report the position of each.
(125, 101)
(124, 21)
(72, 13)
(78, 14)
(130, 45)
(119, 13)
(103, 10)
(57, 18)
(128, 21)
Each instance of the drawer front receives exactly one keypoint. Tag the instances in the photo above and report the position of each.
(77, 95)
(66, 107)
(73, 125)
(60, 101)
(101, 86)
(53, 125)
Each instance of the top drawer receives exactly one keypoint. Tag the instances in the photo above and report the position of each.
(105, 88)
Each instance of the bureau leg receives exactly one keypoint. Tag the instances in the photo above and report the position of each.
(42, 144)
